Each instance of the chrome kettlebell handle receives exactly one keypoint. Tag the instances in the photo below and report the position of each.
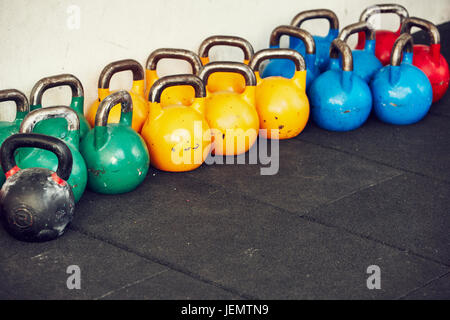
(404, 43)
(316, 14)
(176, 80)
(423, 24)
(169, 53)
(399, 10)
(305, 36)
(357, 27)
(231, 41)
(38, 115)
(228, 66)
(275, 53)
(18, 97)
(55, 81)
(340, 46)
(122, 97)
(118, 66)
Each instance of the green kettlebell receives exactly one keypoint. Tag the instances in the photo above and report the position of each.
(116, 156)
(57, 127)
(8, 128)
(34, 157)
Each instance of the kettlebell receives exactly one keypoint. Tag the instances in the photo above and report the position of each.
(322, 43)
(402, 93)
(281, 103)
(384, 38)
(140, 106)
(36, 203)
(7, 128)
(365, 63)
(231, 116)
(286, 68)
(178, 136)
(429, 58)
(57, 127)
(29, 158)
(340, 100)
(229, 81)
(184, 95)
(116, 156)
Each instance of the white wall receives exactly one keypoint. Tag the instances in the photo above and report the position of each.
(37, 41)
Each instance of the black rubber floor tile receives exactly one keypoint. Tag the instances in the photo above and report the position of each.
(308, 176)
(438, 289)
(423, 147)
(248, 248)
(409, 212)
(442, 107)
(171, 285)
(38, 270)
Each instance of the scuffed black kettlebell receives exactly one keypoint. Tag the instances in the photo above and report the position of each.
(36, 203)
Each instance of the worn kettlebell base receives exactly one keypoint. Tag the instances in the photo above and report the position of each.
(437, 73)
(234, 123)
(281, 106)
(120, 165)
(35, 207)
(178, 140)
(336, 109)
(405, 102)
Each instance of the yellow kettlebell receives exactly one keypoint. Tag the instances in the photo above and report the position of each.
(225, 81)
(140, 105)
(231, 116)
(184, 95)
(177, 136)
(281, 103)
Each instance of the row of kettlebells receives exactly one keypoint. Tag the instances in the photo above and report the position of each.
(177, 121)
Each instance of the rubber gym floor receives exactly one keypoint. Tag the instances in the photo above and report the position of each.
(341, 202)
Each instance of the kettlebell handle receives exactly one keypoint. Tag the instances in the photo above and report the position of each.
(274, 53)
(168, 53)
(384, 8)
(118, 66)
(38, 115)
(55, 81)
(303, 35)
(35, 140)
(423, 24)
(404, 43)
(340, 46)
(18, 97)
(357, 27)
(231, 41)
(122, 97)
(176, 80)
(316, 14)
(228, 66)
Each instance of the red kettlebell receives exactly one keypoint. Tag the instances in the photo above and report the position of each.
(429, 58)
(384, 38)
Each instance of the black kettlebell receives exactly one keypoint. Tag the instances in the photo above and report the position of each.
(36, 203)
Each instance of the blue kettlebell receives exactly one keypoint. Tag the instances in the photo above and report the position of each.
(340, 100)
(322, 43)
(365, 63)
(285, 67)
(402, 93)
